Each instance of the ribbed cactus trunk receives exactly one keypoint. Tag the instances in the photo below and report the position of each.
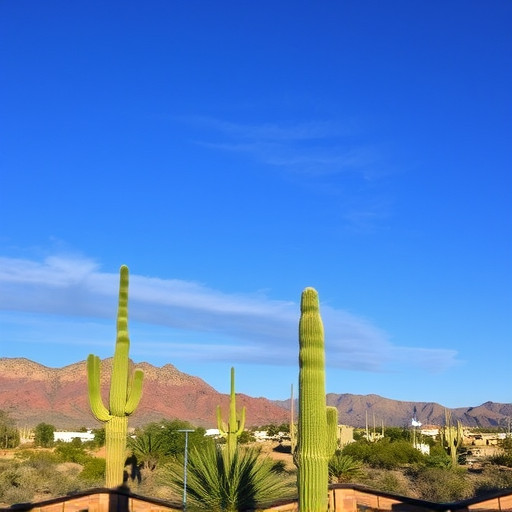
(116, 430)
(124, 397)
(313, 446)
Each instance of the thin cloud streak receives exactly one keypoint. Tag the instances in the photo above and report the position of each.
(314, 148)
(218, 326)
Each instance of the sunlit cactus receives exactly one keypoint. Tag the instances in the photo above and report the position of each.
(332, 430)
(451, 436)
(232, 430)
(313, 445)
(125, 392)
(293, 428)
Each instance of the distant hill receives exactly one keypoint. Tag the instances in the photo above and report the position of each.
(32, 393)
(354, 408)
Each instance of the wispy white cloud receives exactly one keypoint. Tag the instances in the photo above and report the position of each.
(271, 131)
(203, 323)
(316, 148)
(325, 156)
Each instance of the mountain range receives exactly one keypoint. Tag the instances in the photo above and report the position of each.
(32, 393)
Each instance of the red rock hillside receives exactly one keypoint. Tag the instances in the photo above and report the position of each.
(32, 393)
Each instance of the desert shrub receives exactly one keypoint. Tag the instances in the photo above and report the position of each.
(438, 458)
(19, 484)
(343, 468)
(38, 476)
(502, 459)
(388, 481)
(39, 460)
(493, 479)
(246, 437)
(441, 484)
(71, 452)
(94, 470)
(384, 454)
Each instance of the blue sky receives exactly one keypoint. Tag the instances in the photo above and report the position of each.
(233, 153)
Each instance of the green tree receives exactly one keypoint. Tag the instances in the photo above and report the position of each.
(99, 436)
(397, 434)
(246, 437)
(218, 482)
(9, 434)
(172, 442)
(43, 435)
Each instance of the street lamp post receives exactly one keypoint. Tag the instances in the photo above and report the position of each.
(186, 431)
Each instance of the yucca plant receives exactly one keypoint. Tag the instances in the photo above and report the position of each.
(219, 482)
(147, 449)
(343, 467)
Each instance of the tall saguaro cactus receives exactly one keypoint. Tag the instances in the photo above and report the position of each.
(451, 436)
(313, 443)
(125, 392)
(234, 427)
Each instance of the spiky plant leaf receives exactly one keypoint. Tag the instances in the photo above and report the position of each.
(220, 483)
(343, 467)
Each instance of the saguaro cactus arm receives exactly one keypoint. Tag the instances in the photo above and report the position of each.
(135, 393)
(220, 424)
(94, 387)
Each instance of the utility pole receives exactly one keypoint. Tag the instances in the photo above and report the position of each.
(186, 432)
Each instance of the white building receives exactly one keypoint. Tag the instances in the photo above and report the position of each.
(67, 437)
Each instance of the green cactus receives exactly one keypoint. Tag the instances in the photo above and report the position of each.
(234, 427)
(313, 444)
(332, 430)
(293, 428)
(451, 436)
(125, 393)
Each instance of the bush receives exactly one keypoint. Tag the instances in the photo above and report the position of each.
(502, 459)
(70, 452)
(438, 458)
(343, 468)
(94, 470)
(246, 437)
(442, 485)
(384, 454)
(493, 479)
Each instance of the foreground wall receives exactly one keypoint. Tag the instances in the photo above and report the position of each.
(342, 498)
(355, 498)
(99, 500)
